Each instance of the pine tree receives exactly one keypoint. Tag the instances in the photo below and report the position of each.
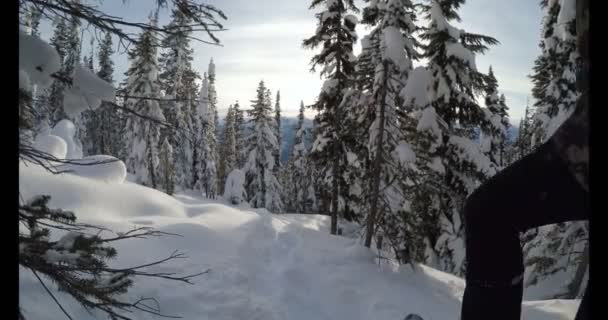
(228, 151)
(239, 132)
(263, 188)
(165, 167)
(559, 248)
(387, 58)
(523, 144)
(214, 129)
(336, 33)
(143, 135)
(450, 165)
(495, 136)
(179, 90)
(301, 187)
(60, 41)
(554, 75)
(32, 20)
(277, 119)
(207, 170)
(109, 137)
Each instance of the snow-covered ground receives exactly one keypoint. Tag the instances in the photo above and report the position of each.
(262, 266)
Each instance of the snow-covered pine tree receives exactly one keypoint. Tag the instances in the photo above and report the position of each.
(207, 171)
(554, 74)
(215, 130)
(454, 162)
(558, 251)
(299, 168)
(523, 144)
(165, 167)
(31, 20)
(61, 42)
(109, 136)
(277, 120)
(336, 33)
(263, 188)
(143, 135)
(177, 84)
(239, 133)
(390, 49)
(228, 151)
(494, 137)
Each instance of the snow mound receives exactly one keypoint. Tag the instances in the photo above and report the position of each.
(99, 167)
(66, 130)
(37, 61)
(234, 190)
(262, 266)
(51, 144)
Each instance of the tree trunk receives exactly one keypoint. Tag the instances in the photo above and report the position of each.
(377, 166)
(334, 193)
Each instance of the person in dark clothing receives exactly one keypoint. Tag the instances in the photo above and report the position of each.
(550, 185)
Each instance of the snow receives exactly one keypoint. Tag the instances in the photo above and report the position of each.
(469, 151)
(393, 45)
(99, 167)
(234, 190)
(457, 50)
(262, 266)
(51, 144)
(86, 92)
(428, 121)
(328, 15)
(441, 22)
(66, 130)
(415, 91)
(24, 81)
(405, 153)
(567, 13)
(329, 86)
(436, 165)
(38, 60)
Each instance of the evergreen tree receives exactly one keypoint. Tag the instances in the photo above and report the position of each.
(177, 83)
(109, 137)
(228, 151)
(451, 165)
(166, 167)
(206, 168)
(523, 144)
(32, 20)
(239, 133)
(277, 118)
(263, 188)
(554, 74)
(558, 250)
(143, 135)
(214, 129)
(495, 136)
(301, 177)
(61, 42)
(390, 49)
(336, 33)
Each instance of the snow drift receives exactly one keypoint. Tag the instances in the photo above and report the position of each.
(262, 266)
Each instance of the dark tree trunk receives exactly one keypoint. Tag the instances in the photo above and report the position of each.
(377, 166)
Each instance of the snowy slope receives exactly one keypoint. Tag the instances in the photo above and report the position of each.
(262, 266)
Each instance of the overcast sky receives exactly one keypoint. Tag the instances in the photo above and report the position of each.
(265, 36)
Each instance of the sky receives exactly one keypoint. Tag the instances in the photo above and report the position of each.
(264, 37)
